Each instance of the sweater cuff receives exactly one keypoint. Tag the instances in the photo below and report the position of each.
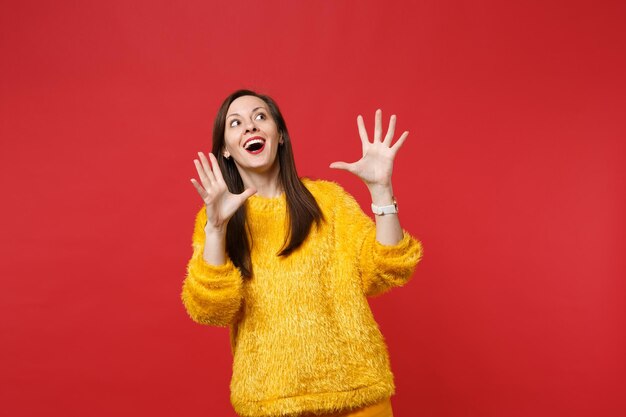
(408, 251)
(395, 250)
(207, 274)
(386, 266)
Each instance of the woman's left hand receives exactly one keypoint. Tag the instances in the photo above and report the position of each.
(376, 164)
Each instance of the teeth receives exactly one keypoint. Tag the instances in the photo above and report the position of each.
(248, 144)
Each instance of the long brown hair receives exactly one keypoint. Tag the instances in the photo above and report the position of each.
(302, 209)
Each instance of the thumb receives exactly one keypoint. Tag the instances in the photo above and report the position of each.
(341, 165)
(247, 194)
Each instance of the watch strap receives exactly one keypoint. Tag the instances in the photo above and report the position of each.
(389, 209)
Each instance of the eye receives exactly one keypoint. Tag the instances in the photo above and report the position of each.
(234, 122)
(261, 115)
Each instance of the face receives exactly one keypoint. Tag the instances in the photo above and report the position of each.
(251, 136)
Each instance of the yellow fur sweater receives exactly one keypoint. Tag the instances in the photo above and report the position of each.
(302, 333)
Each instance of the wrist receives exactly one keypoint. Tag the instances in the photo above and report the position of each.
(382, 195)
(215, 232)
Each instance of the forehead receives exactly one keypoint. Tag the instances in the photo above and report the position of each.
(245, 104)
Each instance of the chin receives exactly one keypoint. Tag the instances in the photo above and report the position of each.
(259, 167)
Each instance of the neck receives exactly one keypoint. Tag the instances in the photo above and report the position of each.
(267, 183)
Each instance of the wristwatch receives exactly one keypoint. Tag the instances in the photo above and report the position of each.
(382, 210)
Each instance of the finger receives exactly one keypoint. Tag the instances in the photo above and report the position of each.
(203, 179)
(207, 167)
(199, 188)
(399, 142)
(390, 131)
(378, 125)
(362, 131)
(216, 168)
(342, 165)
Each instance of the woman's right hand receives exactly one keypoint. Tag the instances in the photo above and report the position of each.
(220, 203)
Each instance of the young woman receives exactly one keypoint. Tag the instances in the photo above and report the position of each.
(287, 263)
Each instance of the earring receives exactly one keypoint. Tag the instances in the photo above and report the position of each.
(226, 155)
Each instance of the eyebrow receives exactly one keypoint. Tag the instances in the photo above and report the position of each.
(253, 110)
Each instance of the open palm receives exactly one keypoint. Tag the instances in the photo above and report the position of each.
(220, 203)
(376, 165)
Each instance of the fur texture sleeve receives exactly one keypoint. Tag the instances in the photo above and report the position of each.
(382, 267)
(211, 294)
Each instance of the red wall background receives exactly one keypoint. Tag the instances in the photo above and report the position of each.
(513, 177)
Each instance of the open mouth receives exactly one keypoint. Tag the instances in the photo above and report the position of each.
(254, 146)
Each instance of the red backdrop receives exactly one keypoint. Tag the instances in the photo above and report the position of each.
(513, 177)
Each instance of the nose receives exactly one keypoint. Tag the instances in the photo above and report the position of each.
(250, 126)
